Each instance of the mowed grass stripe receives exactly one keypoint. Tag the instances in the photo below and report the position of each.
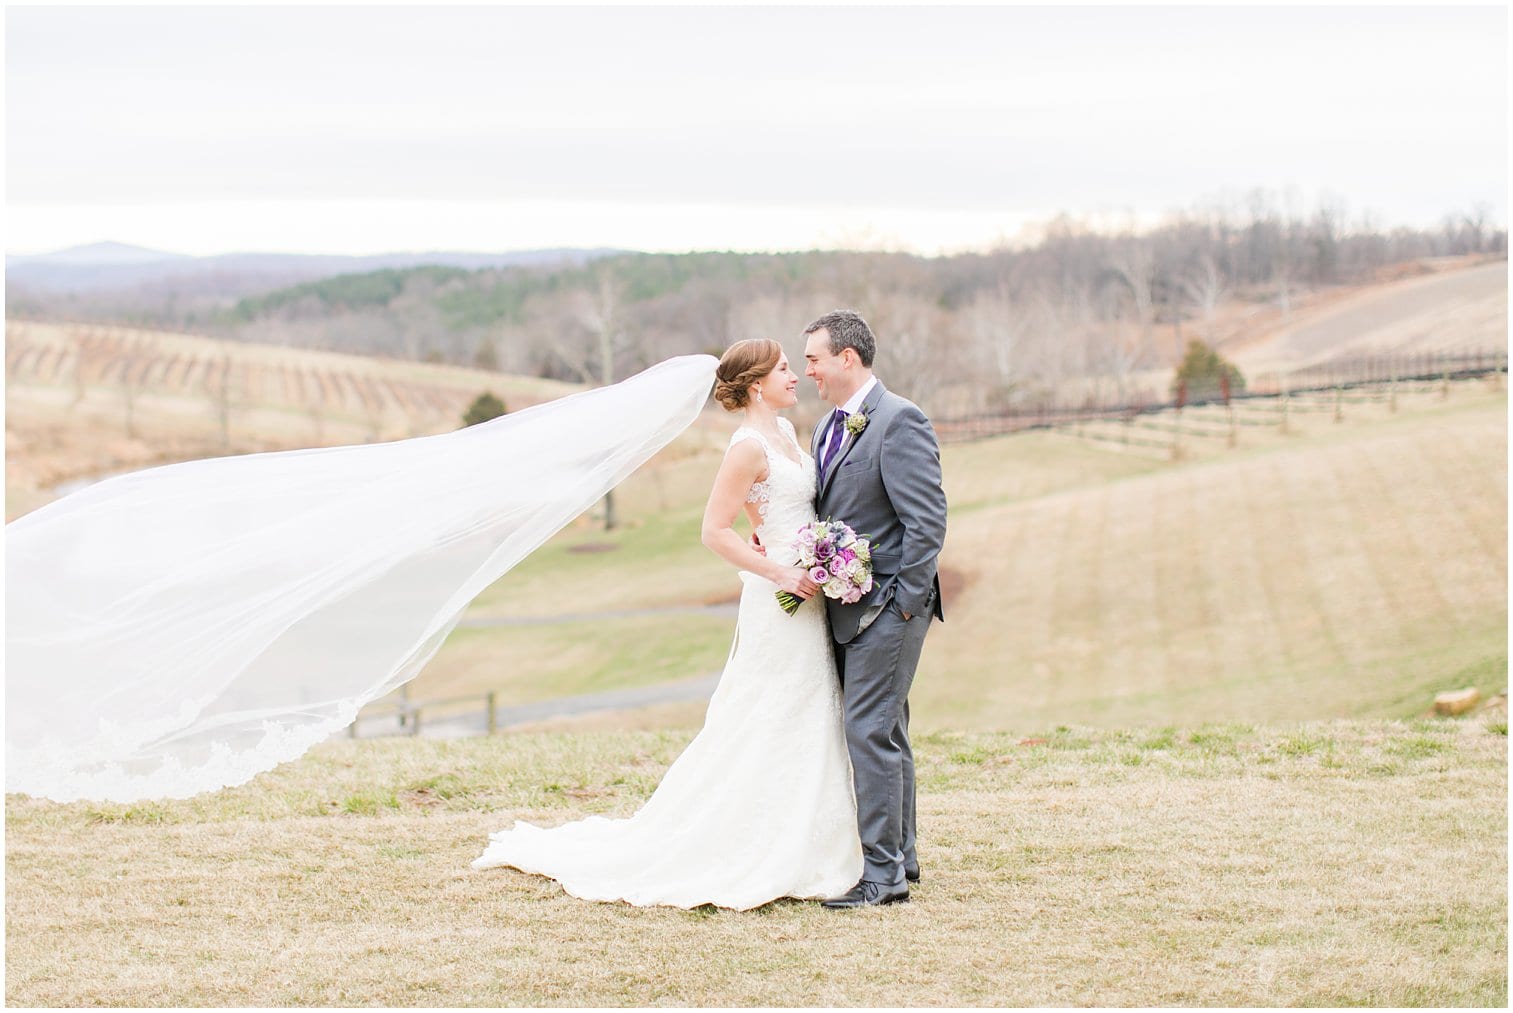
(1046, 566)
(1338, 536)
(1130, 599)
(1452, 556)
(1232, 576)
(1187, 640)
(1068, 593)
(1391, 606)
(1484, 506)
(1005, 558)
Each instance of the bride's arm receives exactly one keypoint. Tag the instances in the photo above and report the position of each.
(743, 465)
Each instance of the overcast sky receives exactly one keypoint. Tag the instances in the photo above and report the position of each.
(365, 129)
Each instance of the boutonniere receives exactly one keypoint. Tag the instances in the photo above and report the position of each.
(855, 423)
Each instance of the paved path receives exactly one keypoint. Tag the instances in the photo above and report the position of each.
(474, 722)
(726, 610)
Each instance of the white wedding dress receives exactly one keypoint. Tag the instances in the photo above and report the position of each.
(761, 804)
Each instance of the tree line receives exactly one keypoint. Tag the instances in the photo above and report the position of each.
(1033, 323)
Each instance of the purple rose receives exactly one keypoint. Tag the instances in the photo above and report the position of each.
(847, 555)
(819, 575)
(823, 549)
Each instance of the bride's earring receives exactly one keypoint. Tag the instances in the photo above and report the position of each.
(759, 393)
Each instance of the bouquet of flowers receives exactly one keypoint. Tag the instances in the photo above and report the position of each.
(838, 560)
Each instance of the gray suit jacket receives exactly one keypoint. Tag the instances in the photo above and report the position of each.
(886, 483)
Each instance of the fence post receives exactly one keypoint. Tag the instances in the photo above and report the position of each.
(1177, 429)
(415, 721)
(1229, 406)
(1285, 404)
(1392, 388)
(492, 724)
(1339, 414)
(1444, 377)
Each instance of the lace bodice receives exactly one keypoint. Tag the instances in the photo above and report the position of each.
(785, 499)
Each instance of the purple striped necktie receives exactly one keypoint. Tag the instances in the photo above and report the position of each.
(832, 439)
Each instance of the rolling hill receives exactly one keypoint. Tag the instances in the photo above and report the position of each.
(1348, 570)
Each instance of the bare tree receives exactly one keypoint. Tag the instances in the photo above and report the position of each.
(597, 315)
(910, 343)
(600, 311)
(1135, 267)
(1114, 346)
(80, 347)
(1002, 329)
(220, 390)
(135, 363)
(1202, 288)
(766, 315)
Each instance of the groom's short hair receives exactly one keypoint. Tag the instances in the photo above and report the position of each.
(847, 330)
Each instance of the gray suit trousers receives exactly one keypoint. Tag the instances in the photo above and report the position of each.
(876, 670)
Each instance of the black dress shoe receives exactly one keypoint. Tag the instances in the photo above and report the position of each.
(869, 894)
(911, 875)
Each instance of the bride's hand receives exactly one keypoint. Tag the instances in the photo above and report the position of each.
(795, 580)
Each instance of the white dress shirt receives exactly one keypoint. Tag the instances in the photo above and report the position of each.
(854, 405)
(851, 407)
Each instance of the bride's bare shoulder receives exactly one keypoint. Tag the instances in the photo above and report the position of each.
(746, 434)
(747, 451)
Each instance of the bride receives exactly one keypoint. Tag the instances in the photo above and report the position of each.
(761, 804)
(187, 627)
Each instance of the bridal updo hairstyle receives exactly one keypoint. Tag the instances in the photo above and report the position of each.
(743, 364)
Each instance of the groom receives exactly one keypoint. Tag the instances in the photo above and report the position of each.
(879, 472)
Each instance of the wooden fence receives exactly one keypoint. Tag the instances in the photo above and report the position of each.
(408, 712)
(1339, 382)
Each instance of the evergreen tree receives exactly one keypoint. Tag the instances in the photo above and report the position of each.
(484, 407)
(1201, 375)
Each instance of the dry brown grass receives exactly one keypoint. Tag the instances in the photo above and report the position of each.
(1454, 311)
(1352, 571)
(1347, 569)
(66, 406)
(1334, 863)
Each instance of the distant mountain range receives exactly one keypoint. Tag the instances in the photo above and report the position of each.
(101, 267)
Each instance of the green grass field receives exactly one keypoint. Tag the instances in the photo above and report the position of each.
(1325, 863)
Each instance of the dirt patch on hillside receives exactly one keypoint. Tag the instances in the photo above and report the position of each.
(588, 548)
(952, 583)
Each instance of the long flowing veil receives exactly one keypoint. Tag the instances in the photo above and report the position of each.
(187, 627)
